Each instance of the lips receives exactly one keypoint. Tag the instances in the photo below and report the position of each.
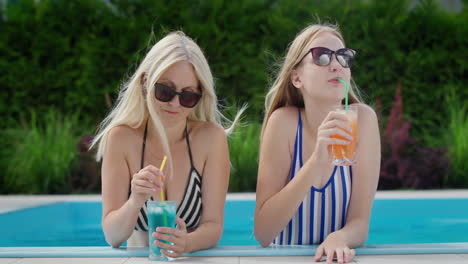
(170, 112)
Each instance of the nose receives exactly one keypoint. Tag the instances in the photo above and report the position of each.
(175, 101)
(334, 64)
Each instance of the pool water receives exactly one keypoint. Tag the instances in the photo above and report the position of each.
(397, 221)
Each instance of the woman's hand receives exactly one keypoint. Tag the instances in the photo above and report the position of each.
(336, 123)
(146, 182)
(334, 247)
(177, 236)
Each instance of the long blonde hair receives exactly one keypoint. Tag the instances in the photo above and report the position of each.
(135, 105)
(282, 92)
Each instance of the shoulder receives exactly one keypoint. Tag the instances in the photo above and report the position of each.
(206, 131)
(367, 122)
(122, 132)
(366, 112)
(123, 137)
(284, 117)
(286, 113)
(281, 126)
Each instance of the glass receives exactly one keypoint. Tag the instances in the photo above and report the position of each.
(323, 56)
(165, 93)
(346, 154)
(160, 214)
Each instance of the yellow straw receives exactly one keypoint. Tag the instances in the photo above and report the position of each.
(161, 193)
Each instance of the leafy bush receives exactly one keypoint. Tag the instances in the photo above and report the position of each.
(86, 178)
(457, 140)
(244, 152)
(405, 164)
(243, 41)
(52, 54)
(42, 154)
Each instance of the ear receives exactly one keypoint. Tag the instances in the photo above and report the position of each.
(296, 79)
(143, 82)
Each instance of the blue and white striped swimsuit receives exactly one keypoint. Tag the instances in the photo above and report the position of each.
(323, 211)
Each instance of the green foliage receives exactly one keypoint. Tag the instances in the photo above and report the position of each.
(52, 54)
(41, 154)
(74, 54)
(244, 152)
(457, 140)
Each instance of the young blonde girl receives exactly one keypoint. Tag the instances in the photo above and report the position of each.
(302, 198)
(167, 108)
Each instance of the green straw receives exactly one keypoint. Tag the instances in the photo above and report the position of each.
(165, 216)
(346, 92)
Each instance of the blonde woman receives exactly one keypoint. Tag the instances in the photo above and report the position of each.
(302, 198)
(168, 107)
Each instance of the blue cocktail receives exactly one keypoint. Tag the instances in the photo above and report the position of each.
(160, 214)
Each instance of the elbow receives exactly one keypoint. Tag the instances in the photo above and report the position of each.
(262, 235)
(261, 238)
(110, 238)
(112, 241)
(113, 244)
(264, 243)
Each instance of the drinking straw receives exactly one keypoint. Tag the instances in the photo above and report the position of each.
(161, 193)
(346, 92)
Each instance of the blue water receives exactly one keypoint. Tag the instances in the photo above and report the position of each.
(392, 222)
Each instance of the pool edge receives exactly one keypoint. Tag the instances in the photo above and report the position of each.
(225, 251)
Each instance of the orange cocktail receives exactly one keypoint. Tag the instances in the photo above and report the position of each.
(346, 154)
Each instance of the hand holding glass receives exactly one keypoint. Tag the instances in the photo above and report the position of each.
(160, 214)
(344, 155)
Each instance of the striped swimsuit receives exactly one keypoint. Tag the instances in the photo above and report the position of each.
(190, 208)
(322, 211)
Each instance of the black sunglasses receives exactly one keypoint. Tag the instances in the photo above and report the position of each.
(187, 99)
(323, 56)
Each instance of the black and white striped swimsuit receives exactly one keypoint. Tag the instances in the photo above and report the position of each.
(190, 208)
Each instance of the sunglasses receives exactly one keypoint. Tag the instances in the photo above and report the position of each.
(165, 93)
(323, 56)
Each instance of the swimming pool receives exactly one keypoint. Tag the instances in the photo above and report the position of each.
(393, 221)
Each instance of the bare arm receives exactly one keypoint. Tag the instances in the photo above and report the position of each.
(214, 188)
(277, 202)
(119, 213)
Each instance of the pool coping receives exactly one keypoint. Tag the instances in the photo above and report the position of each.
(230, 251)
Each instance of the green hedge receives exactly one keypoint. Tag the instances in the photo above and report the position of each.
(73, 55)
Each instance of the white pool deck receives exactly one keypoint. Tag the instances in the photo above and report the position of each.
(15, 202)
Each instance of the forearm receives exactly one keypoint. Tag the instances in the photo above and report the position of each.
(118, 225)
(205, 236)
(355, 232)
